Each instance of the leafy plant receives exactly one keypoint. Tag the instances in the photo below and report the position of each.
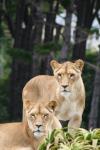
(82, 139)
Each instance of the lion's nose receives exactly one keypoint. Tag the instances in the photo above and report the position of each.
(38, 125)
(64, 86)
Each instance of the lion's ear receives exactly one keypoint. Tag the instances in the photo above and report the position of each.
(54, 64)
(80, 64)
(52, 105)
(27, 104)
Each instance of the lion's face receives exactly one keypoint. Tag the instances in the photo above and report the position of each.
(67, 74)
(39, 117)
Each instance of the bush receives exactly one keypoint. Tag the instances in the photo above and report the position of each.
(82, 139)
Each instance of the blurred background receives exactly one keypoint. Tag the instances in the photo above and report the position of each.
(33, 32)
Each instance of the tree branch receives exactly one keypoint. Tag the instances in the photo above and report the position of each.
(96, 7)
(94, 67)
(98, 18)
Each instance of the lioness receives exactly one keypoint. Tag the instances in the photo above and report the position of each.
(29, 134)
(66, 86)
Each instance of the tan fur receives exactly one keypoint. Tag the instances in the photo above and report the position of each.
(25, 135)
(71, 102)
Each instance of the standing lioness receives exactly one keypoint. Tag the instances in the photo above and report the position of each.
(66, 86)
(27, 135)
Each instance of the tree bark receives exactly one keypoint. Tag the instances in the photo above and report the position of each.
(85, 16)
(39, 28)
(45, 63)
(50, 21)
(23, 47)
(94, 119)
(21, 73)
(66, 35)
(80, 45)
(58, 32)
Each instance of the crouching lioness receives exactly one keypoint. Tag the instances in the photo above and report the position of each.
(66, 86)
(29, 134)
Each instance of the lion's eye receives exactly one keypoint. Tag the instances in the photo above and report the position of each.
(33, 115)
(59, 75)
(45, 115)
(72, 75)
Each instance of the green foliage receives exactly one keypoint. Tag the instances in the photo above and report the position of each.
(65, 3)
(44, 6)
(11, 8)
(82, 139)
(1, 30)
(94, 30)
(20, 54)
(5, 59)
(47, 47)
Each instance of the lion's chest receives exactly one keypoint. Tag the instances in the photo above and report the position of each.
(66, 109)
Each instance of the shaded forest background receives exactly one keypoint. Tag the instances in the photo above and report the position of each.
(30, 37)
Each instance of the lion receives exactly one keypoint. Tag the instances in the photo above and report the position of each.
(27, 135)
(66, 86)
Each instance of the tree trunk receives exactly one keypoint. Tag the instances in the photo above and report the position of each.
(49, 27)
(80, 33)
(39, 27)
(94, 119)
(58, 32)
(80, 45)
(85, 16)
(22, 57)
(66, 35)
(45, 63)
(50, 21)
(21, 73)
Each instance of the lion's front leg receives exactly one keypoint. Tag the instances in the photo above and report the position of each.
(74, 122)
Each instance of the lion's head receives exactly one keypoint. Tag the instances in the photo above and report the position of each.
(39, 117)
(67, 74)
